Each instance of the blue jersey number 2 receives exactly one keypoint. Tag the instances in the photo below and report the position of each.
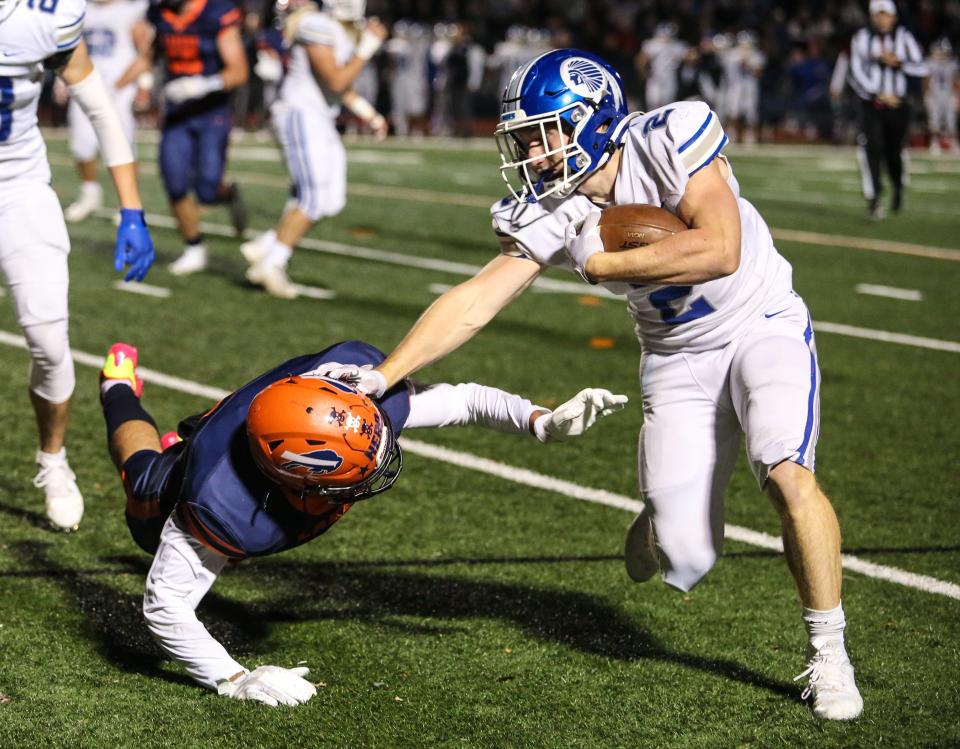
(6, 107)
(661, 299)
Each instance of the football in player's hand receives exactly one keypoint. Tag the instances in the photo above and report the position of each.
(625, 227)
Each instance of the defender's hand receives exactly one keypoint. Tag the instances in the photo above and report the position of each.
(134, 246)
(271, 685)
(577, 415)
(364, 378)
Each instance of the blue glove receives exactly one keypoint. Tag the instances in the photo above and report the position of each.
(134, 246)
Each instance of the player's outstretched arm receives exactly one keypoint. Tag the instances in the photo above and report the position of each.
(469, 403)
(181, 574)
(457, 315)
(134, 247)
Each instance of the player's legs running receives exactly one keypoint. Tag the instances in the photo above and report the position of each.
(774, 384)
(33, 255)
(316, 161)
(213, 136)
(688, 448)
(177, 155)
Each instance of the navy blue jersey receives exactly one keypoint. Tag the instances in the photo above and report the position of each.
(224, 499)
(187, 42)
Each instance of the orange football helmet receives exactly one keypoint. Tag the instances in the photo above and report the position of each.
(316, 435)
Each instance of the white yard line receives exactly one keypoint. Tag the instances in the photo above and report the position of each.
(541, 481)
(890, 292)
(886, 336)
(546, 284)
(143, 289)
(479, 201)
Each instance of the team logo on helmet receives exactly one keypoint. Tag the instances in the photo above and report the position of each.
(316, 462)
(583, 77)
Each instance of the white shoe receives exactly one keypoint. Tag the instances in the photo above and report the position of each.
(274, 279)
(831, 683)
(64, 501)
(193, 260)
(86, 203)
(640, 551)
(255, 250)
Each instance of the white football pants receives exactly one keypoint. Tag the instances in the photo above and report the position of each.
(765, 385)
(316, 159)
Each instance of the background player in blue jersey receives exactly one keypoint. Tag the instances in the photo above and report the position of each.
(272, 466)
(204, 59)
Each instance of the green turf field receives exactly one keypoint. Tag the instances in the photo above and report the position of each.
(471, 610)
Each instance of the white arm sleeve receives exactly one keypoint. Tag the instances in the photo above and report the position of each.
(468, 403)
(96, 103)
(181, 574)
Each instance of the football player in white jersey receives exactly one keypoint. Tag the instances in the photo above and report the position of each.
(743, 65)
(727, 346)
(115, 31)
(39, 35)
(659, 59)
(941, 89)
(328, 49)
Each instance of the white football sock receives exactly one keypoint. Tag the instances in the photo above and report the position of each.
(51, 459)
(825, 625)
(279, 254)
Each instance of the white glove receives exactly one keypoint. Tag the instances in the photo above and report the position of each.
(268, 68)
(364, 378)
(271, 685)
(180, 90)
(577, 415)
(582, 241)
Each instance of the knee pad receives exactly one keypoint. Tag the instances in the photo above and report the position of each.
(51, 372)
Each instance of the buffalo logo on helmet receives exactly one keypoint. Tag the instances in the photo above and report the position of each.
(317, 461)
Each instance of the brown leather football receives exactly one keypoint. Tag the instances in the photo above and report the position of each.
(625, 227)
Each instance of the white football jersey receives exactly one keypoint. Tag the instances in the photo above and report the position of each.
(300, 87)
(662, 149)
(32, 32)
(107, 30)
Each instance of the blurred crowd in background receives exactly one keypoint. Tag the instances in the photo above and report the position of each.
(774, 70)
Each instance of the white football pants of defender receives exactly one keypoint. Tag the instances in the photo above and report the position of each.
(316, 160)
(33, 257)
(84, 145)
(696, 407)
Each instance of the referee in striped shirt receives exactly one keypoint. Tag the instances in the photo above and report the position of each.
(882, 55)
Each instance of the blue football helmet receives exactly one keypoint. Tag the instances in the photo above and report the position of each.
(568, 90)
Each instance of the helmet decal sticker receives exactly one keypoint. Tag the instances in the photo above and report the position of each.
(583, 77)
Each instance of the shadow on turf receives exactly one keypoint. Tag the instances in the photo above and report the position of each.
(114, 620)
(373, 593)
(378, 596)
